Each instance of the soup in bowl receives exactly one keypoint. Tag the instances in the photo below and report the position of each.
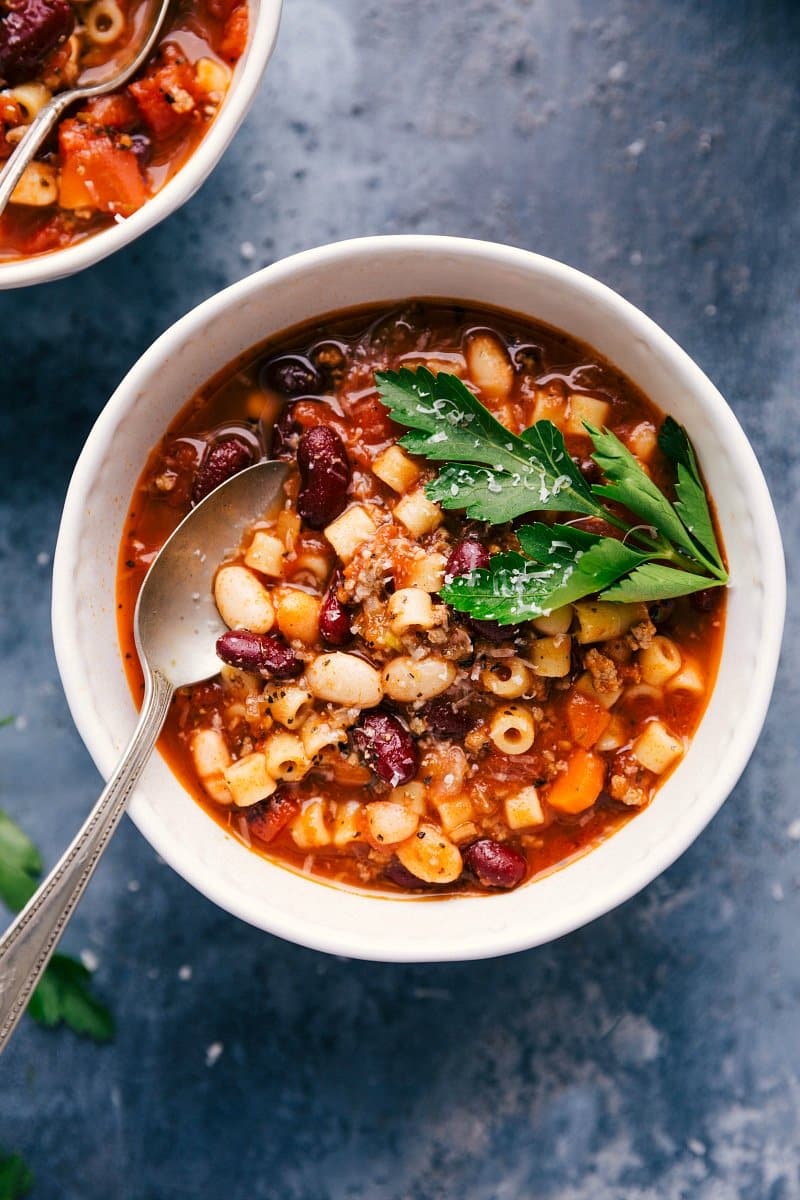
(460, 667)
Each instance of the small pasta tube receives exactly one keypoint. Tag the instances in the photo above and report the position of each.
(318, 732)
(586, 408)
(104, 22)
(309, 829)
(290, 705)
(660, 660)
(455, 813)
(410, 608)
(551, 657)
(314, 564)
(419, 514)
(412, 795)
(508, 678)
(348, 822)
(349, 531)
(211, 756)
(408, 679)
(297, 614)
(286, 757)
(344, 679)
(656, 748)
(431, 856)
(558, 621)
(242, 600)
(489, 366)
(688, 679)
(512, 729)
(38, 187)
(426, 572)
(389, 823)
(396, 469)
(524, 809)
(602, 620)
(265, 554)
(550, 405)
(248, 779)
(642, 441)
(30, 98)
(613, 736)
(585, 685)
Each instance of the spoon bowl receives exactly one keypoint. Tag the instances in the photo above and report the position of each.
(176, 626)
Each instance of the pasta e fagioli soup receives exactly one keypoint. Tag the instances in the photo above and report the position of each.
(458, 654)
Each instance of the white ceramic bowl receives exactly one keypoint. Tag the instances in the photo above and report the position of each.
(389, 269)
(42, 268)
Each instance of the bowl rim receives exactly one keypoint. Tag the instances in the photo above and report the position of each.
(510, 939)
(57, 264)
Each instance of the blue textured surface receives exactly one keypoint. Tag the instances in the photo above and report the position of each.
(652, 1056)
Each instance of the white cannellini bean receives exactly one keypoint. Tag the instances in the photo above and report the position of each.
(388, 823)
(344, 679)
(408, 679)
(242, 600)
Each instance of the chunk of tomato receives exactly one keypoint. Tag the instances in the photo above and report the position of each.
(587, 720)
(97, 172)
(234, 35)
(166, 98)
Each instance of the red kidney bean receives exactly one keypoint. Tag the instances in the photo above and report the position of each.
(494, 632)
(443, 719)
(142, 148)
(29, 31)
(495, 865)
(387, 747)
(266, 819)
(588, 469)
(324, 476)
(265, 654)
(223, 460)
(467, 555)
(292, 374)
(660, 611)
(397, 873)
(334, 617)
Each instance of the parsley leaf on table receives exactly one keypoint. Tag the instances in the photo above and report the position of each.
(495, 475)
(63, 996)
(20, 865)
(16, 1179)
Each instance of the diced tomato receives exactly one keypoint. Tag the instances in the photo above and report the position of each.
(117, 111)
(266, 820)
(580, 785)
(587, 719)
(372, 417)
(166, 99)
(97, 172)
(234, 35)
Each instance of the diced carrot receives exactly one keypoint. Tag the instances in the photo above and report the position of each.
(234, 35)
(580, 785)
(166, 99)
(587, 719)
(117, 111)
(96, 172)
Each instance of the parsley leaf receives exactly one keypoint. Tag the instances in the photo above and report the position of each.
(63, 996)
(653, 581)
(16, 1179)
(20, 865)
(564, 564)
(494, 475)
(692, 502)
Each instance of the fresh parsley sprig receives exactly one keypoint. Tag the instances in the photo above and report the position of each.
(64, 994)
(670, 550)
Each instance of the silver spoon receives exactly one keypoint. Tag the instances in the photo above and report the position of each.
(176, 625)
(95, 81)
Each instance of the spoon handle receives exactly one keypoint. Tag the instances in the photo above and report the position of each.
(26, 147)
(27, 945)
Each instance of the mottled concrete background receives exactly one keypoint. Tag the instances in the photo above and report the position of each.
(653, 1056)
